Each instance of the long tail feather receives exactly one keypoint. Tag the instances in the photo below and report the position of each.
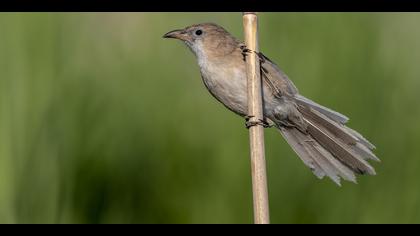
(297, 143)
(301, 100)
(329, 148)
(319, 160)
(340, 150)
(352, 141)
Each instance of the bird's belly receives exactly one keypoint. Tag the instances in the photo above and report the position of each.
(228, 87)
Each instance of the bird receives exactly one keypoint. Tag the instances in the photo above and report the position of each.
(318, 135)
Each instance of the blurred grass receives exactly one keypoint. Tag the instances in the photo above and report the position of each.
(103, 121)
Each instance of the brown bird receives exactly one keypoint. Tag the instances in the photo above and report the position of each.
(316, 133)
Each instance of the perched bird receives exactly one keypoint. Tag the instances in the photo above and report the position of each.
(316, 133)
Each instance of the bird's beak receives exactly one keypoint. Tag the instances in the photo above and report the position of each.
(176, 34)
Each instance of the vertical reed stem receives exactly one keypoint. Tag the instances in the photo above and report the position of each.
(255, 109)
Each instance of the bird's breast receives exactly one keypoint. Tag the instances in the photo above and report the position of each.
(227, 83)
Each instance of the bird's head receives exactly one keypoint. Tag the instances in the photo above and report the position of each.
(206, 39)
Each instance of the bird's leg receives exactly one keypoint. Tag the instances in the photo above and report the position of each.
(248, 122)
(245, 51)
(262, 122)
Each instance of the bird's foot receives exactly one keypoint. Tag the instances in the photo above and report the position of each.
(262, 122)
(245, 51)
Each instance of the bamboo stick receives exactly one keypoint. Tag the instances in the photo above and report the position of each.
(256, 133)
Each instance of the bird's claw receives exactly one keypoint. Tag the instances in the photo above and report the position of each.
(245, 51)
(249, 124)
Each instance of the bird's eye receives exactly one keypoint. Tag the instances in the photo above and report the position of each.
(198, 32)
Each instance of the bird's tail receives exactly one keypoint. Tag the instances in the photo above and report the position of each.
(329, 148)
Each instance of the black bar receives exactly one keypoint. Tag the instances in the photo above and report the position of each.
(212, 5)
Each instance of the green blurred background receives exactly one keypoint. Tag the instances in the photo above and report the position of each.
(103, 121)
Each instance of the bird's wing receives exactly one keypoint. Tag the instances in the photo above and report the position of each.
(275, 79)
(281, 85)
